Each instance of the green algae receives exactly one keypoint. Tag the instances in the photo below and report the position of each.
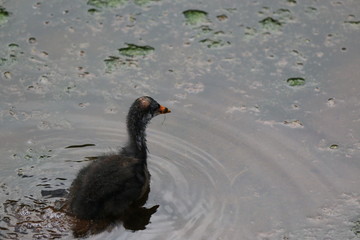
(298, 81)
(4, 15)
(222, 17)
(93, 10)
(284, 15)
(214, 43)
(106, 3)
(13, 46)
(113, 63)
(12, 56)
(205, 30)
(356, 228)
(250, 33)
(195, 17)
(270, 24)
(133, 50)
(142, 2)
(353, 22)
(334, 146)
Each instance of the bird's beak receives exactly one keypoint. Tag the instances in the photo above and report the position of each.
(163, 110)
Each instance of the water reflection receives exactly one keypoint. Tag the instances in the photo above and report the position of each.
(135, 218)
(44, 218)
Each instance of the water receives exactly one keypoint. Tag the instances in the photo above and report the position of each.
(245, 153)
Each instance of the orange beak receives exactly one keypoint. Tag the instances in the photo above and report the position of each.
(163, 110)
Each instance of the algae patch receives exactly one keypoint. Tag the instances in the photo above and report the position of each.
(129, 58)
(12, 55)
(195, 17)
(113, 63)
(270, 24)
(215, 43)
(4, 15)
(106, 3)
(142, 2)
(356, 228)
(334, 146)
(133, 50)
(298, 81)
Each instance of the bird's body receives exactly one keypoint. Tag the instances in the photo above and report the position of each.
(108, 186)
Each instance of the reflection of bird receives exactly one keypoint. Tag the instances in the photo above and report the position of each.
(110, 185)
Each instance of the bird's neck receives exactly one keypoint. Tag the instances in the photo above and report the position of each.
(136, 146)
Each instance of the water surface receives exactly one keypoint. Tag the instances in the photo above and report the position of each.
(263, 138)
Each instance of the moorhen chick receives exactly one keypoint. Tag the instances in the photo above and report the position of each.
(108, 186)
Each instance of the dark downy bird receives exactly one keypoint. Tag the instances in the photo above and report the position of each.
(108, 186)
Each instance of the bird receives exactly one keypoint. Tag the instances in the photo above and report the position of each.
(109, 185)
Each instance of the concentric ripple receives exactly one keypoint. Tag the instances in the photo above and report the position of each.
(185, 183)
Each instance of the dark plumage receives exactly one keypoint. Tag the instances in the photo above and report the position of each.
(108, 186)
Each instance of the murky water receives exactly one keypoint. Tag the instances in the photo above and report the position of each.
(263, 138)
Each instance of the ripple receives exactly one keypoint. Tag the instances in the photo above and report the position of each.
(185, 186)
(185, 183)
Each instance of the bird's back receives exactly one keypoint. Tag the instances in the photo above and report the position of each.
(106, 187)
